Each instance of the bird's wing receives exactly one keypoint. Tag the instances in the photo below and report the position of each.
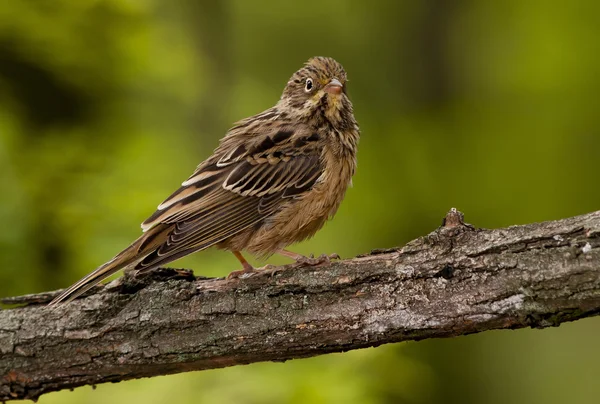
(236, 188)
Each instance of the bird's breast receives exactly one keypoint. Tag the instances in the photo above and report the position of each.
(302, 217)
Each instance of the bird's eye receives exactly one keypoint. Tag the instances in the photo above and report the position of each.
(309, 85)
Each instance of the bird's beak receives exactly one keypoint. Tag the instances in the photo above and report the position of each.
(334, 87)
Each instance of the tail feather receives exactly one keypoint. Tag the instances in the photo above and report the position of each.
(136, 252)
(89, 281)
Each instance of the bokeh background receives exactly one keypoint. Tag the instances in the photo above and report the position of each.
(491, 107)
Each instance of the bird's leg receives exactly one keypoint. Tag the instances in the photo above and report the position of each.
(301, 259)
(247, 267)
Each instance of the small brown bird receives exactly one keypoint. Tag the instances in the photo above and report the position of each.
(274, 179)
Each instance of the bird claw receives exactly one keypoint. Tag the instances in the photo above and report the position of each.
(322, 259)
(302, 261)
(246, 273)
(241, 274)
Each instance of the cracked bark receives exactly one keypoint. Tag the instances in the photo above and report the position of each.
(456, 280)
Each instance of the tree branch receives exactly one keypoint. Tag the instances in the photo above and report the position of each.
(454, 281)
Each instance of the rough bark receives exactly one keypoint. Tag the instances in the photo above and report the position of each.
(454, 281)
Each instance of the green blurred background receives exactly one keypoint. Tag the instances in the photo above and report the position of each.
(107, 105)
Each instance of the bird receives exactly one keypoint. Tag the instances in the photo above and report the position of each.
(274, 180)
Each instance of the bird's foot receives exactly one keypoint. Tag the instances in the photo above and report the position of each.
(248, 271)
(312, 261)
(242, 273)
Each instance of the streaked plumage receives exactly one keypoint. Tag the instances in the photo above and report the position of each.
(274, 179)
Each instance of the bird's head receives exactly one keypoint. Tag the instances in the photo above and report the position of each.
(318, 90)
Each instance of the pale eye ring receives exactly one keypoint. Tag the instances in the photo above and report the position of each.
(309, 85)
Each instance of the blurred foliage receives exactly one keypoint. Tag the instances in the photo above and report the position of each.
(106, 105)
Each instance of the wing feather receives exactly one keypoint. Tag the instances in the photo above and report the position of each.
(209, 231)
(239, 187)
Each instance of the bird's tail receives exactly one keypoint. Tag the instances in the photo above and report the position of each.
(130, 256)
